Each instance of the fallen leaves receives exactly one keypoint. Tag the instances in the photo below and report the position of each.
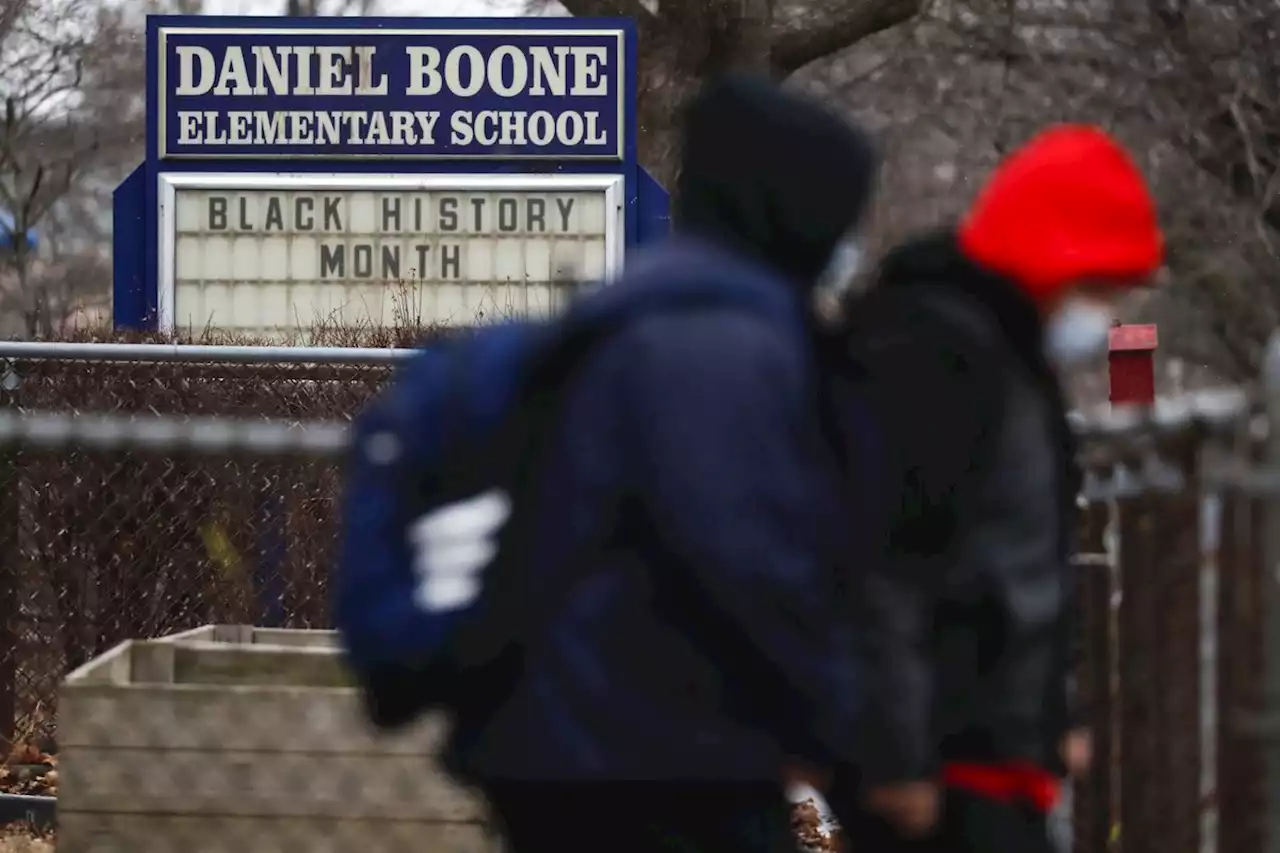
(29, 770)
(24, 753)
(18, 839)
(811, 830)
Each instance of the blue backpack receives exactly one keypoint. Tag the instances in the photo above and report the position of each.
(429, 597)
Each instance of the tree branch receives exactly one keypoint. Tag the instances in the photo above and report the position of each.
(11, 13)
(633, 9)
(810, 40)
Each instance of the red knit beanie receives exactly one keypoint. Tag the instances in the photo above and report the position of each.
(1069, 205)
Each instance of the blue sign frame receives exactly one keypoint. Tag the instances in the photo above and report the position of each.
(563, 60)
(9, 235)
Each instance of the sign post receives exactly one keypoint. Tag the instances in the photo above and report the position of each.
(1131, 364)
(360, 170)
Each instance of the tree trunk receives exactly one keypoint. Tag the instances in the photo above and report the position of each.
(685, 42)
(29, 302)
(713, 37)
(44, 314)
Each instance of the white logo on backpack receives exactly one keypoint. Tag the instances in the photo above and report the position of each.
(453, 546)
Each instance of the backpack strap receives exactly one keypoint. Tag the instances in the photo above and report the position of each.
(980, 335)
(928, 319)
(493, 641)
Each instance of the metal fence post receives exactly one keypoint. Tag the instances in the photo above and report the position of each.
(1092, 797)
(1271, 594)
(1240, 798)
(10, 609)
(1159, 672)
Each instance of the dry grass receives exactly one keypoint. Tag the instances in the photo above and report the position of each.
(23, 842)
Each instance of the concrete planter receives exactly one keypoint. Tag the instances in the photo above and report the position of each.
(234, 739)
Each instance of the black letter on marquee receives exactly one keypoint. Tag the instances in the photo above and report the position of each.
(566, 207)
(449, 213)
(537, 214)
(390, 263)
(333, 261)
(217, 213)
(362, 260)
(450, 258)
(507, 214)
(275, 218)
(390, 213)
(303, 208)
(422, 260)
(332, 221)
(245, 224)
(477, 204)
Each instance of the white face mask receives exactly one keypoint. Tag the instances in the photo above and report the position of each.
(1077, 332)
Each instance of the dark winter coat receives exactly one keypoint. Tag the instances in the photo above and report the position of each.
(968, 612)
(689, 521)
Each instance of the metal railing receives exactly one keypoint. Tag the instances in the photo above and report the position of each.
(196, 354)
(158, 433)
(202, 489)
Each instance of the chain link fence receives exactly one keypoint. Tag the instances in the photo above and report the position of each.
(200, 491)
(110, 544)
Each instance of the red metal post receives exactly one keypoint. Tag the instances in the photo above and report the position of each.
(1131, 363)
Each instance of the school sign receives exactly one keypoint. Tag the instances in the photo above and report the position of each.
(350, 170)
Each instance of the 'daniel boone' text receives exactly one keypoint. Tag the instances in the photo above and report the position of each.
(390, 96)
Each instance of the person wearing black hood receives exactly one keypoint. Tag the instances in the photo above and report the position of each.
(698, 654)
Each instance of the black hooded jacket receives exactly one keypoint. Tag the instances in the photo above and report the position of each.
(689, 522)
(968, 614)
(771, 175)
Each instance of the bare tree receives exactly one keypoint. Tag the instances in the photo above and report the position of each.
(1192, 86)
(64, 66)
(1215, 111)
(312, 8)
(683, 42)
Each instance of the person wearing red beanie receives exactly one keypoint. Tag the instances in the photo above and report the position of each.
(1068, 220)
(955, 354)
